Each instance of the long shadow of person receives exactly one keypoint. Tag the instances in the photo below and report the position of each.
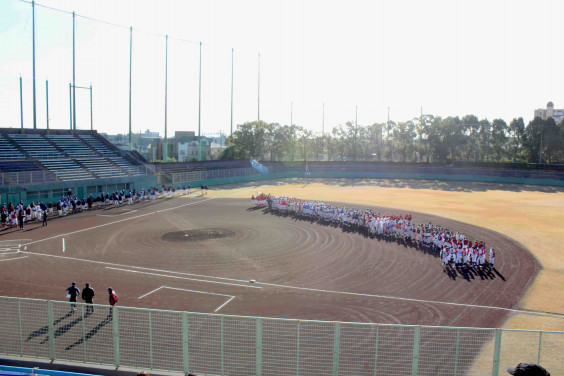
(65, 328)
(44, 330)
(499, 274)
(92, 332)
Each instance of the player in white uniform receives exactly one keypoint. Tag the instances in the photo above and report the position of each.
(492, 257)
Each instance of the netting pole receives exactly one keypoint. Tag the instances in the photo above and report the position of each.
(50, 332)
(114, 314)
(298, 352)
(150, 340)
(20, 326)
(83, 335)
(456, 355)
(540, 346)
(259, 347)
(376, 351)
(336, 349)
(185, 341)
(497, 347)
(416, 339)
(221, 339)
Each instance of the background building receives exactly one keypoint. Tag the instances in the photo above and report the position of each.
(550, 111)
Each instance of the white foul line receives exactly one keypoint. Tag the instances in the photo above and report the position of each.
(177, 277)
(15, 258)
(231, 297)
(115, 215)
(118, 221)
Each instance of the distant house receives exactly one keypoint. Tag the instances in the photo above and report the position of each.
(185, 146)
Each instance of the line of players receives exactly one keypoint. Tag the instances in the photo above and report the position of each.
(453, 248)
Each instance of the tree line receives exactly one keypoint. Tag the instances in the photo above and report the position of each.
(425, 139)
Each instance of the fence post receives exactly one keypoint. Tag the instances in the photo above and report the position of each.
(83, 334)
(50, 330)
(540, 346)
(115, 334)
(456, 355)
(185, 341)
(259, 347)
(416, 339)
(376, 351)
(298, 351)
(150, 340)
(336, 349)
(221, 340)
(20, 326)
(497, 347)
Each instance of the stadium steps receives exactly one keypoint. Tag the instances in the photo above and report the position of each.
(9, 149)
(71, 145)
(66, 169)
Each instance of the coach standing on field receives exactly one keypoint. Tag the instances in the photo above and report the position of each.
(88, 296)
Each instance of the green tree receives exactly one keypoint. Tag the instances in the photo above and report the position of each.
(516, 132)
(499, 140)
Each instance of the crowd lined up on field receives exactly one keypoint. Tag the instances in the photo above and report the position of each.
(453, 248)
(15, 215)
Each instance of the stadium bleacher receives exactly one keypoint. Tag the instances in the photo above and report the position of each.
(100, 147)
(25, 172)
(8, 150)
(125, 165)
(66, 169)
(71, 145)
(101, 167)
(35, 145)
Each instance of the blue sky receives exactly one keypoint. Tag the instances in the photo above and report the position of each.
(494, 59)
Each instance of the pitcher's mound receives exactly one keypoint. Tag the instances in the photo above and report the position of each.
(197, 235)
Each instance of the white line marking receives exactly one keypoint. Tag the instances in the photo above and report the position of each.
(150, 292)
(13, 240)
(177, 277)
(137, 267)
(200, 292)
(413, 300)
(63, 245)
(115, 215)
(15, 258)
(118, 221)
(221, 306)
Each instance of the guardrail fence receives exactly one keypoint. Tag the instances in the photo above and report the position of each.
(215, 344)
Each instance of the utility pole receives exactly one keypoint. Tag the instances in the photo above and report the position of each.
(33, 28)
(47, 100)
(130, 61)
(258, 102)
(165, 146)
(200, 107)
(231, 134)
(73, 74)
(21, 102)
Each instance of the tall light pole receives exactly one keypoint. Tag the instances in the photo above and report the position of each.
(21, 102)
(130, 61)
(200, 107)
(33, 28)
(231, 134)
(91, 112)
(540, 149)
(291, 113)
(165, 146)
(258, 101)
(47, 100)
(355, 130)
(73, 73)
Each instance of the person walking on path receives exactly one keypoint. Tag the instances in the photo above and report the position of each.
(72, 293)
(88, 296)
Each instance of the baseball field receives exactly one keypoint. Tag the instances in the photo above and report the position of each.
(198, 253)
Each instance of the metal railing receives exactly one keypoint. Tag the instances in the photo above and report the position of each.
(239, 345)
(178, 177)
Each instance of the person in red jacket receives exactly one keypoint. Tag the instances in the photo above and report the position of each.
(113, 298)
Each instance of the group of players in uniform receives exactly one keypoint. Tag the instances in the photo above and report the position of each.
(453, 248)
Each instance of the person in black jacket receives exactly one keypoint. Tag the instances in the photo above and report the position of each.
(73, 292)
(88, 296)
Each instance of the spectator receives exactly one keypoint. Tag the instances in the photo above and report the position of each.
(528, 369)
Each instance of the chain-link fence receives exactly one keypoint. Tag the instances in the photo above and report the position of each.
(236, 345)
(178, 177)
